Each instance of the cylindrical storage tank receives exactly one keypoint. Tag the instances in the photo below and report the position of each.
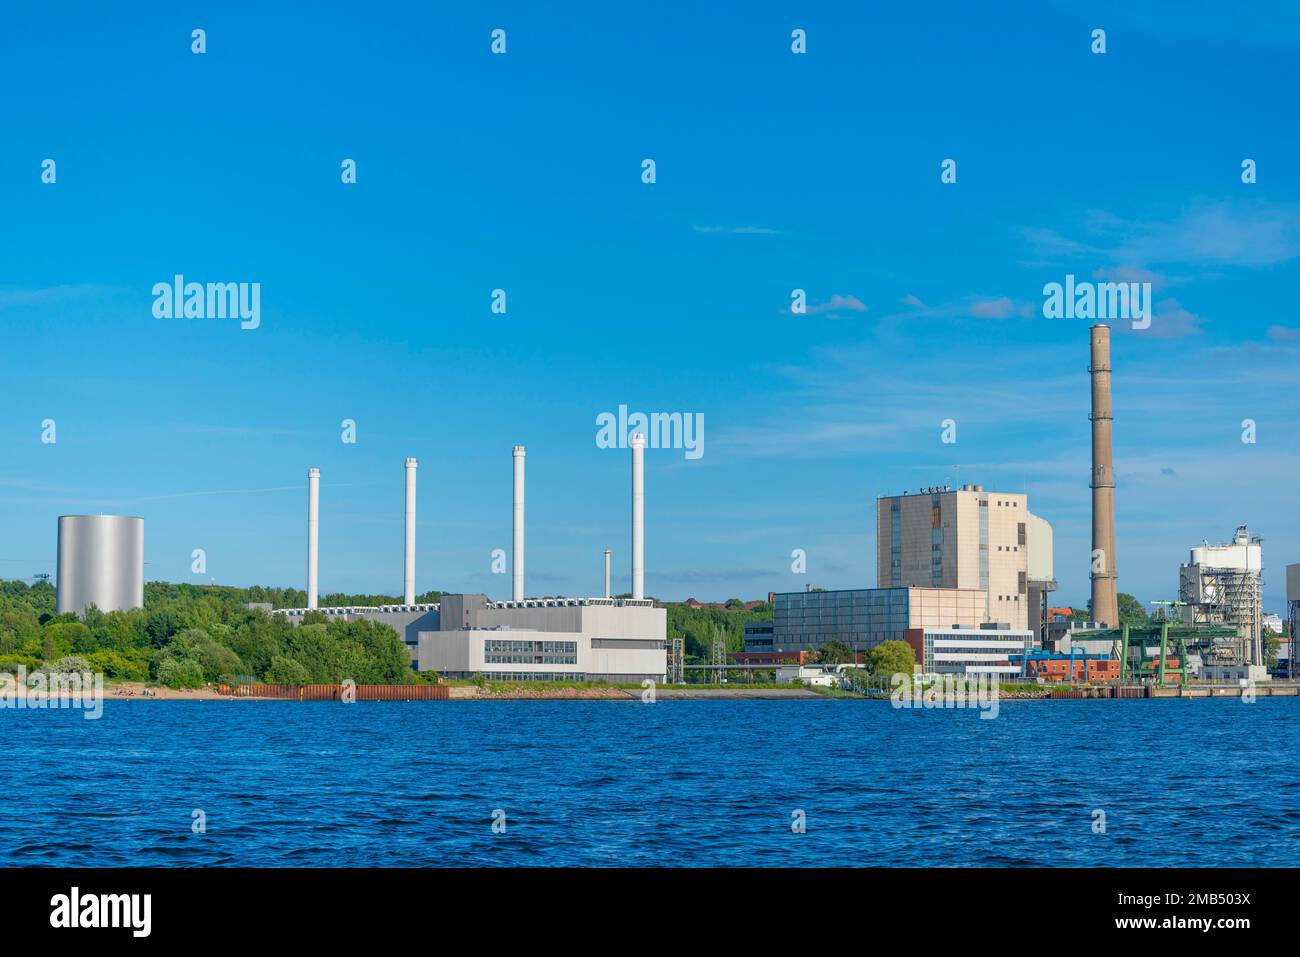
(101, 563)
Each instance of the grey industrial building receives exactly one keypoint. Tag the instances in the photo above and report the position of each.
(604, 639)
(572, 639)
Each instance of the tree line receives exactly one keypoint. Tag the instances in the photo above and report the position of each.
(188, 635)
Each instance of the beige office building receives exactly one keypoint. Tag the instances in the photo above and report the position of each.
(963, 538)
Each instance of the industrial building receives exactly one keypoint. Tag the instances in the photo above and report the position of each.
(100, 563)
(956, 650)
(862, 618)
(968, 539)
(1076, 666)
(1293, 617)
(1062, 636)
(1223, 585)
(407, 620)
(759, 635)
(607, 639)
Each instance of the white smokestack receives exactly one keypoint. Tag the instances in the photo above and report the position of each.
(517, 563)
(607, 595)
(408, 592)
(313, 533)
(637, 442)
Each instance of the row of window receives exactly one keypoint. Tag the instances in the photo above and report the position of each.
(542, 647)
(539, 675)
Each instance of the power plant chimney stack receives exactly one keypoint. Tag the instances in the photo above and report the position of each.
(637, 442)
(313, 534)
(517, 564)
(408, 592)
(607, 594)
(1105, 602)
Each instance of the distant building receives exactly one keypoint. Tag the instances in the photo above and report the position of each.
(695, 603)
(863, 618)
(969, 651)
(1222, 585)
(814, 675)
(970, 539)
(759, 635)
(563, 639)
(1074, 667)
(1063, 635)
(407, 620)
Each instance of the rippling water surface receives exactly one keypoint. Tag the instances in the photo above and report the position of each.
(1189, 783)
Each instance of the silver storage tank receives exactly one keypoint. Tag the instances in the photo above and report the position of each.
(101, 563)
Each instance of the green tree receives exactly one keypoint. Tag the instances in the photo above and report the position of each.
(835, 652)
(180, 673)
(286, 671)
(1130, 609)
(890, 658)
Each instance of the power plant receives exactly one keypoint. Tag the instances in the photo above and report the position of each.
(963, 565)
(1105, 596)
(568, 639)
(101, 563)
(1223, 585)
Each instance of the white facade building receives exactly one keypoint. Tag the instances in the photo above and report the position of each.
(969, 651)
(574, 639)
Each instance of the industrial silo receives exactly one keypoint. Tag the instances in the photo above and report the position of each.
(101, 562)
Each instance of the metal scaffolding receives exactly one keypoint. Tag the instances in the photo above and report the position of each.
(1228, 597)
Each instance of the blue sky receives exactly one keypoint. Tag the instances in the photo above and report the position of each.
(522, 172)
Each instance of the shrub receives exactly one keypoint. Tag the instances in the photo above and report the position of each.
(286, 671)
(70, 664)
(180, 673)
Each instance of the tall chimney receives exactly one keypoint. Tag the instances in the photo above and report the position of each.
(607, 594)
(637, 442)
(408, 592)
(1105, 602)
(313, 533)
(517, 563)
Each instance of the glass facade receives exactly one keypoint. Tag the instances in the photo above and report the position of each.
(860, 618)
(516, 652)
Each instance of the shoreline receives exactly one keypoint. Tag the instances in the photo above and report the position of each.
(134, 692)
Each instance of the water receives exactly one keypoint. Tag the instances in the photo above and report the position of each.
(1188, 783)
